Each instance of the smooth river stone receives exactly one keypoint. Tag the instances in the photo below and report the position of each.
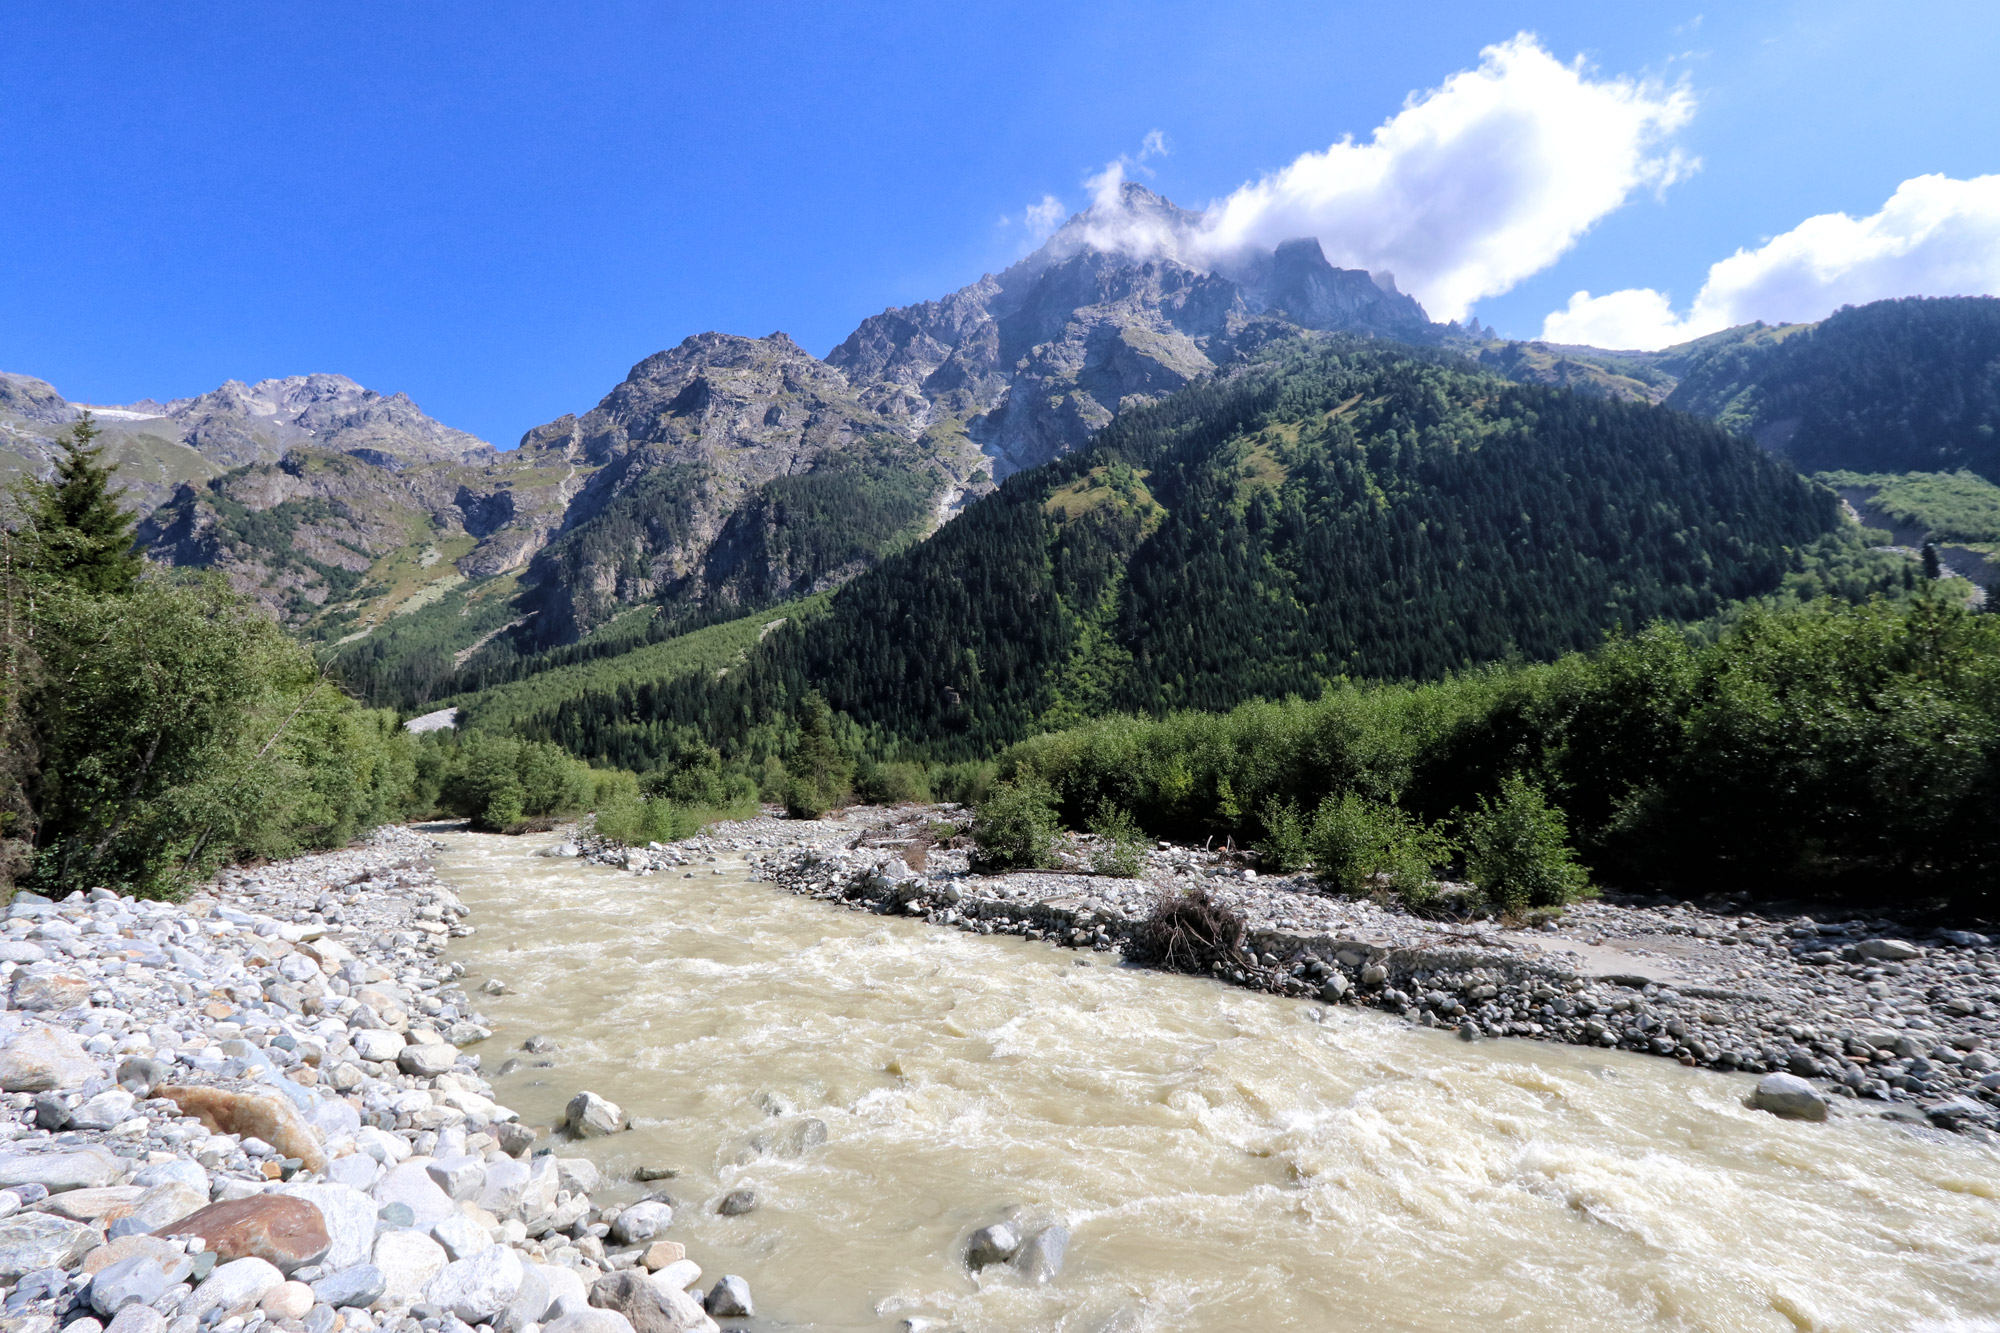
(285, 1232)
(88, 1168)
(408, 1260)
(29, 1241)
(350, 1220)
(234, 1286)
(43, 1059)
(477, 1289)
(411, 1184)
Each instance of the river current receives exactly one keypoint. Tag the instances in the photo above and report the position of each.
(1224, 1162)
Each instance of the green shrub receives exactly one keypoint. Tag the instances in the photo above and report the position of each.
(637, 821)
(1120, 845)
(500, 783)
(1285, 843)
(964, 784)
(1517, 851)
(1364, 846)
(892, 784)
(174, 727)
(1016, 826)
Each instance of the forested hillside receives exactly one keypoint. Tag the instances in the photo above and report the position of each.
(1348, 509)
(1896, 386)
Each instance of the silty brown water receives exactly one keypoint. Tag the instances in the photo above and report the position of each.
(1224, 1162)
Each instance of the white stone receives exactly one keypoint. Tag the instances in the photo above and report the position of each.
(380, 1144)
(408, 1260)
(679, 1275)
(234, 1286)
(461, 1236)
(410, 1183)
(378, 1044)
(591, 1116)
(478, 1288)
(350, 1221)
(1789, 1096)
(641, 1222)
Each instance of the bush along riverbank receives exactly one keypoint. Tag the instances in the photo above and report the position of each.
(252, 1110)
(1875, 1015)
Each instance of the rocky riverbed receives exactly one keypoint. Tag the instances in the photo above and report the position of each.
(253, 1109)
(1877, 1014)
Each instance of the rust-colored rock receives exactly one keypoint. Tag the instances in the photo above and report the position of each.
(286, 1232)
(268, 1117)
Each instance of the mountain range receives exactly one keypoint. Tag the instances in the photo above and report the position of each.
(727, 473)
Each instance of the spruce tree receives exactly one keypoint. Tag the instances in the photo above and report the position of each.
(79, 534)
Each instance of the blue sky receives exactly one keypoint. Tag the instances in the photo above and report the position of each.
(499, 208)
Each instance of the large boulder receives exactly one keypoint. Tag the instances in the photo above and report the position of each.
(40, 1058)
(29, 1241)
(649, 1306)
(590, 1116)
(590, 1321)
(107, 1110)
(477, 1289)
(641, 1222)
(993, 1245)
(164, 1204)
(285, 1232)
(266, 1116)
(531, 1301)
(730, 1298)
(1040, 1258)
(94, 1205)
(1789, 1096)
(427, 1061)
(124, 1247)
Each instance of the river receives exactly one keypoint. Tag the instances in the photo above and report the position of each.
(1225, 1162)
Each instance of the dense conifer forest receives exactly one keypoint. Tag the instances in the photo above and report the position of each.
(1348, 510)
(1894, 386)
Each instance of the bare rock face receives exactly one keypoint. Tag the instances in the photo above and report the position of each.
(1118, 308)
(727, 473)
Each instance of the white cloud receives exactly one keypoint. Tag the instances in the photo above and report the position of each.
(1934, 237)
(1473, 186)
(1043, 217)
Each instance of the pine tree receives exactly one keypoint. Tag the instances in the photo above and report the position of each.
(78, 532)
(1933, 567)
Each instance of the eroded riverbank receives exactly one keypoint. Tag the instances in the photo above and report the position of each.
(1224, 1158)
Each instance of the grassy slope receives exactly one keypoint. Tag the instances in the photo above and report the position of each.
(1959, 507)
(714, 648)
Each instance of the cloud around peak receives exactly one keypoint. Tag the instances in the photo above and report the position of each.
(1472, 187)
(1935, 236)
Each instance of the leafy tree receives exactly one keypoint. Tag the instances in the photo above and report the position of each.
(175, 727)
(818, 773)
(78, 534)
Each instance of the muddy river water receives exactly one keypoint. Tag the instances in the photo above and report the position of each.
(1223, 1161)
